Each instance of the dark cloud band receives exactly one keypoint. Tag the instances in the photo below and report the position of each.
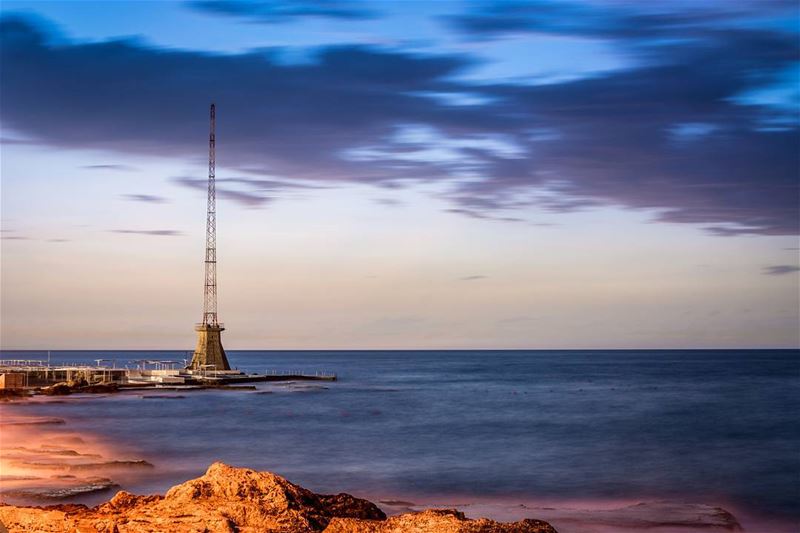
(277, 11)
(676, 135)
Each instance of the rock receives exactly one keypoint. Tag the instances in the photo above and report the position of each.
(259, 500)
(227, 499)
(224, 386)
(58, 389)
(81, 385)
(77, 467)
(31, 421)
(115, 464)
(78, 488)
(346, 506)
(8, 395)
(99, 388)
(646, 516)
(52, 450)
(436, 520)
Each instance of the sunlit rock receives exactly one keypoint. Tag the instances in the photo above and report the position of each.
(228, 499)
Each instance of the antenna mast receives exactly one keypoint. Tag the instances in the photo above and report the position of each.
(209, 352)
(210, 293)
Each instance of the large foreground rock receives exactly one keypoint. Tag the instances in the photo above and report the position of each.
(228, 499)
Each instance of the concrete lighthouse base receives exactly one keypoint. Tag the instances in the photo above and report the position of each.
(209, 353)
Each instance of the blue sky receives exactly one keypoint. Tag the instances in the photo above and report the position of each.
(402, 174)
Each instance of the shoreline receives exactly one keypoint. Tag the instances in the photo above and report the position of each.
(121, 468)
(230, 497)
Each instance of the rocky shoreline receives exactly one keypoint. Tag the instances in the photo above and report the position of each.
(228, 499)
(43, 461)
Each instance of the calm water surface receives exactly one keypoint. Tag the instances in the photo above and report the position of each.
(717, 427)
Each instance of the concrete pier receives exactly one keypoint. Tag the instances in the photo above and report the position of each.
(33, 374)
(39, 374)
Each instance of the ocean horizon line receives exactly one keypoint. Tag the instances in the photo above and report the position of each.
(395, 350)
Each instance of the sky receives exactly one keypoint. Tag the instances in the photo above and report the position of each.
(407, 174)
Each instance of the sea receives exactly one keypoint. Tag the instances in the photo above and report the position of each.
(565, 428)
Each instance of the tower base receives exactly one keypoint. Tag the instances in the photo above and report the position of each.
(209, 353)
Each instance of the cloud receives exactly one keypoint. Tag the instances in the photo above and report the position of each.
(490, 19)
(146, 198)
(778, 270)
(671, 135)
(388, 202)
(473, 278)
(152, 232)
(246, 199)
(471, 213)
(255, 193)
(8, 140)
(7, 235)
(609, 21)
(126, 168)
(281, 11)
